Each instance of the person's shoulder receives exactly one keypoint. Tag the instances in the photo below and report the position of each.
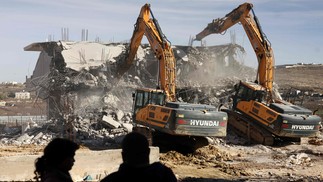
(111, 177)
(55, 176)
(165, 173)
(159, 166)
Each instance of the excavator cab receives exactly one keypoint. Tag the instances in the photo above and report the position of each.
(248, 91)
(143, 97)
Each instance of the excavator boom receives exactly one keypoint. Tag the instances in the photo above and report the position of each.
(257, 38)
(147, 25)
(221, 24)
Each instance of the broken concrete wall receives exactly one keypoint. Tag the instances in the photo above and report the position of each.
(81, 78)
(42, 65)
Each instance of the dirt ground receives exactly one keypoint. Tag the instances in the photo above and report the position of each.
(223, 161)
(232, 159)
(229, 162)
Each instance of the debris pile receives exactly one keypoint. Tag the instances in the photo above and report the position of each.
(33, 135)
(86, 101)
(88, 104)
(82, 76)
(208, 156)
(298, 159)
(105, 132)
(202, 157)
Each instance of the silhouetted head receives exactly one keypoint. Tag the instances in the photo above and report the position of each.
(58, 154)
(135, 149)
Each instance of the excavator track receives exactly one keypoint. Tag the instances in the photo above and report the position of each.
(167, 142)
(179, 143)
(253, 132)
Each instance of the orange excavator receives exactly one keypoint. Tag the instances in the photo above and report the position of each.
(258, 112)
(156, 111)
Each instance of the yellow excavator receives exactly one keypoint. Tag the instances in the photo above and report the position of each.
(258, 112)
(156, 111)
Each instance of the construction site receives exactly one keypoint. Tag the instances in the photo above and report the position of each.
(260, 123)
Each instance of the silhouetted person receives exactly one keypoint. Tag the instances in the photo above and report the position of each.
(57, 160)
(135, 166)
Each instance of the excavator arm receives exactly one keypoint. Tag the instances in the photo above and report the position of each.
(147, 25)
(245, 15)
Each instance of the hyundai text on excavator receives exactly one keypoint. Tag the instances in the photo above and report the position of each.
(258, 112)
(157, 110)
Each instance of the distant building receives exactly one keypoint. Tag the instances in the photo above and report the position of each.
(22, 95)
(10, 83)
(2, 103)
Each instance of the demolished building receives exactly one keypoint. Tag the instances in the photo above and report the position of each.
(78, 78)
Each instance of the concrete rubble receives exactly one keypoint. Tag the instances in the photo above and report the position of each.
(87, 103)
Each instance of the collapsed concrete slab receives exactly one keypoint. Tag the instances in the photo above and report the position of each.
(108, 120)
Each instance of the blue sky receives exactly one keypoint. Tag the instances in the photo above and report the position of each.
(294, 27)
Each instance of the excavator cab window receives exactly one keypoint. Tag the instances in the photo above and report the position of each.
(139, 98)
(243, 93)
(157, 98)
(143, 98)
(137, 101)
(260, 95)
(146, 98)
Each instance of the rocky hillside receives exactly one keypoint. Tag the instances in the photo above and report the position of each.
(302, 84)
(301, 77)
